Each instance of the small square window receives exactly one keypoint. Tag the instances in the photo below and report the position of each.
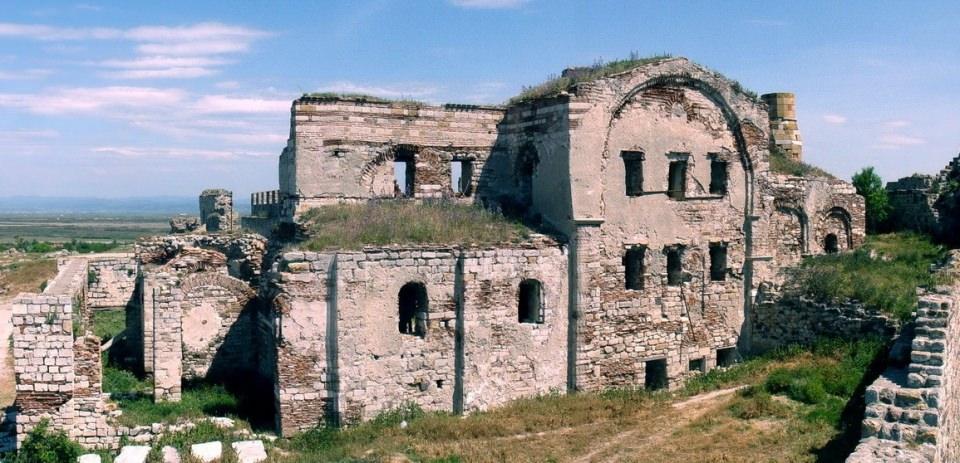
(674, 265)
(655, 374)
(718, 261)
(677, 180)
(633, 267)
(726, 357)
(697, 365)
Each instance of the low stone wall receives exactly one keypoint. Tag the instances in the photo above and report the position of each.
(784, 320)
(913, 411)
(341, 355)
(113, 280)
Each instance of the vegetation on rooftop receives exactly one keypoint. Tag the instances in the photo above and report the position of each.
(782, 163)
(364, 98)
(352, 226)
(600, 69)
(884, 273)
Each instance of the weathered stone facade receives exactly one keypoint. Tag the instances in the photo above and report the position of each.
(656, 181)
(928, 203)
(112, 280)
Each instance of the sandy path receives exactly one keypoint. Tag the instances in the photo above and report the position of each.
(639, 439)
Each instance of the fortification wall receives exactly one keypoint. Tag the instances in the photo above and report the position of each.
(341, 352)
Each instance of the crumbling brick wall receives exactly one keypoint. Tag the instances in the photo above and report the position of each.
(340, 353)
(114, 279)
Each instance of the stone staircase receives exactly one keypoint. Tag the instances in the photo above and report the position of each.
(904, 405)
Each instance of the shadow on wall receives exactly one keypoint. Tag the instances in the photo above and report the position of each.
(529, 166)
(238, 365)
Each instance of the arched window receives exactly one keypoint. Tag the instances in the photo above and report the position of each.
(530, 302)
(830, 244)
(412, 305)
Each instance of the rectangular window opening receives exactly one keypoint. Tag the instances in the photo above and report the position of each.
(697, 365)
(677, 181)
(404, 176)
(726, 357)
(633, 172)
(655, 374)
(461, 177)
(718, 261)
(674, 266)
(718, 177)
(633, 267)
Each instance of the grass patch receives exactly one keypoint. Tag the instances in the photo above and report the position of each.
(598, 70)
(360, 97)
(884, 274)
(197, 401)
(109, 323)
(27, 275)
(781, 163)
(352, 226)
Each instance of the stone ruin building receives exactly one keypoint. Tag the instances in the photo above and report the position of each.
(928, 203)
(664, 223)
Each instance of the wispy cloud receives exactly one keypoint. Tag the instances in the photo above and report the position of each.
(489, 4)
(140, 152)
(893, 141)
(89, 100)
(163, 51)
(834, 119)
(25, 74)
(13, 136)
(215, 104)
(897, 124)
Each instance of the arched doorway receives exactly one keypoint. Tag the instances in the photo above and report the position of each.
(412, 305)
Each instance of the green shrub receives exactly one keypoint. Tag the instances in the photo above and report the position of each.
(870, 186)
(884, 274)
(782, 163)
(754, 402)
(44, 446)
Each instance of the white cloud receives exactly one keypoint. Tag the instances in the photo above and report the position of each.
(893, 141)
(89, 100)
(489, 4)
(897, 124)
(213, 104)
(11, 136)
(140, 152)
(164, 51)
(834, 119)
(25, 74)
(228, 84)
(167, 73)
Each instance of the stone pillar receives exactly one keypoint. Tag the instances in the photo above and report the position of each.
(167, 343)
(783, 123)
(216, 210)
(43, 361)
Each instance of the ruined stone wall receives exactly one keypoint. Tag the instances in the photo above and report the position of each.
(784, 320)
(167, 349)
(343, 149)
(217, 331)
(216, 210)
(339, 330)
(114, 280)
(912, 202)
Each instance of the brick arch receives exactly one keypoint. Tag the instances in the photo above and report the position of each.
(846, 221)
(801, 215)
(234, 285)
(385, 156)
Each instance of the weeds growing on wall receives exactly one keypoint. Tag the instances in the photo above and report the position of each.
(781, 163)
(352, 226)
(884, 273)
(45, 446)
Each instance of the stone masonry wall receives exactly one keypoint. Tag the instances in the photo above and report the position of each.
(340, 351)
(116, 277)
(781, 321)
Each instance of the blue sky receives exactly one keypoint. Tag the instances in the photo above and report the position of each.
(113, 98)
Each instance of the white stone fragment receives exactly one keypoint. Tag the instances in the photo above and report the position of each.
(170, 455)
(89, 458)
(207, 452)
(222, 422)
(249, 451)
(133, 454)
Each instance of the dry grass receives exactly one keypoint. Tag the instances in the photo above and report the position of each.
(598, 70)
(621, 425)
(27, 275)
(780, 163)
(352, 226)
